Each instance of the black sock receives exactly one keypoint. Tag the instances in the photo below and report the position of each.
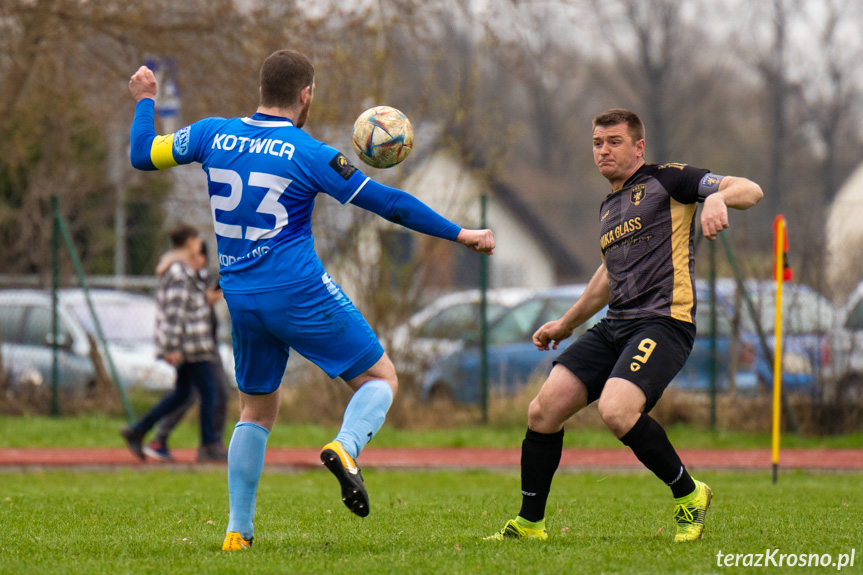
(540, 456)
(651, 446)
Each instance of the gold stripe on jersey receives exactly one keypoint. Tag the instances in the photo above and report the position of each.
(161, 152)
(683, 295)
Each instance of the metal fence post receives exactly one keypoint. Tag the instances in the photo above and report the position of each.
(82, 280)
(756, 319)
(55, 321)
(483, 315)
(712, 257)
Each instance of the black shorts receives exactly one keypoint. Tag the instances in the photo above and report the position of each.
(649, 352)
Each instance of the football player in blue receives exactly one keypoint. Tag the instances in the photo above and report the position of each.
(264, 172)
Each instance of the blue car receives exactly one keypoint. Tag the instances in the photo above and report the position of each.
(512, 358)
(741, 363)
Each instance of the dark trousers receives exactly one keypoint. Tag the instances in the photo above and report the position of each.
(198, 375)
(169, 422)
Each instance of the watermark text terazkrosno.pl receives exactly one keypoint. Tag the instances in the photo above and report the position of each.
(774, 558)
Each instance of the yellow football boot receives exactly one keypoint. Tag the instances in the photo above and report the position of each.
(515, 529)
(690, 511)
(235, 542)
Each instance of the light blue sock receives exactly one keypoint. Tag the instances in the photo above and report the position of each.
(365, 415)
(245, 463)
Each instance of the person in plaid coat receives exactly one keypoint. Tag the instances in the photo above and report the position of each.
(158, 447)
(183, 339)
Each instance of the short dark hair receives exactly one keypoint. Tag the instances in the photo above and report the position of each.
(284, 75)
(182, 233)
(617, 116)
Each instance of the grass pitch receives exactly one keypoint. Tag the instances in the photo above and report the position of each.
(101, 431)
(166, 521)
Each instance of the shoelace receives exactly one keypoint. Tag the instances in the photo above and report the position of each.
(237, 538)
(683, 511)
(513, 528)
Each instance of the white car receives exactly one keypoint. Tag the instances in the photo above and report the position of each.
(128, 322)
(846, 349)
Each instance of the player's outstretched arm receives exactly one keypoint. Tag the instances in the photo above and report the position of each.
(481, 241)
(733, 192)
(402, 208)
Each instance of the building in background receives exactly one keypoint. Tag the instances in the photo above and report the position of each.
(844, 242)
(530, 252)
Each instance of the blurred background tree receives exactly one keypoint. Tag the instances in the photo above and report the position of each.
(510, 86)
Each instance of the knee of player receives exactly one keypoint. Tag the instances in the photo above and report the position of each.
(389, 377)
(260, 409)
(394, 384)
(388, 373)
(615, 414)
(537, 418)
(264, 418)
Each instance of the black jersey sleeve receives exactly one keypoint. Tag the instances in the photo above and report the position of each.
(683, 182)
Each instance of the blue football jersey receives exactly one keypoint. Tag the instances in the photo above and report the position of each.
(263, 174)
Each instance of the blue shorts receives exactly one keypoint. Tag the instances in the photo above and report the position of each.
(315, 318)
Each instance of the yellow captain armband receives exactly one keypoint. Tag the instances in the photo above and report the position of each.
(161, 152)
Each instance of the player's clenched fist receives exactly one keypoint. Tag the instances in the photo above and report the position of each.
(481, 241)
(551, 333)
(143, 84)
(714, 216)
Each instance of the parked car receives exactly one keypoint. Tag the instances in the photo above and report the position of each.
(127, 320)
(512, 357)
(441, 327)
(806, 325)
(846, 349)
(735, 358)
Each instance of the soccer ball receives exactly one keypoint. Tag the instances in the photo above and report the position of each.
(382, 137)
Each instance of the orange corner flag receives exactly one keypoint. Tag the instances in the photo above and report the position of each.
(779, 229)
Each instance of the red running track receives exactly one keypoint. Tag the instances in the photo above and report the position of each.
(496, 458)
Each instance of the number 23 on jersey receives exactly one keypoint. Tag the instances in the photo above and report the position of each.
(275, 187)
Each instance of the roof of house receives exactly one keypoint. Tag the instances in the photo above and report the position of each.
(564, 216)
(566, 263)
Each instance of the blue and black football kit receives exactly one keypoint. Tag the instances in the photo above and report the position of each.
(264, 174)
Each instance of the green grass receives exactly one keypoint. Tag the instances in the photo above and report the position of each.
(173, 522)
(101, 431)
